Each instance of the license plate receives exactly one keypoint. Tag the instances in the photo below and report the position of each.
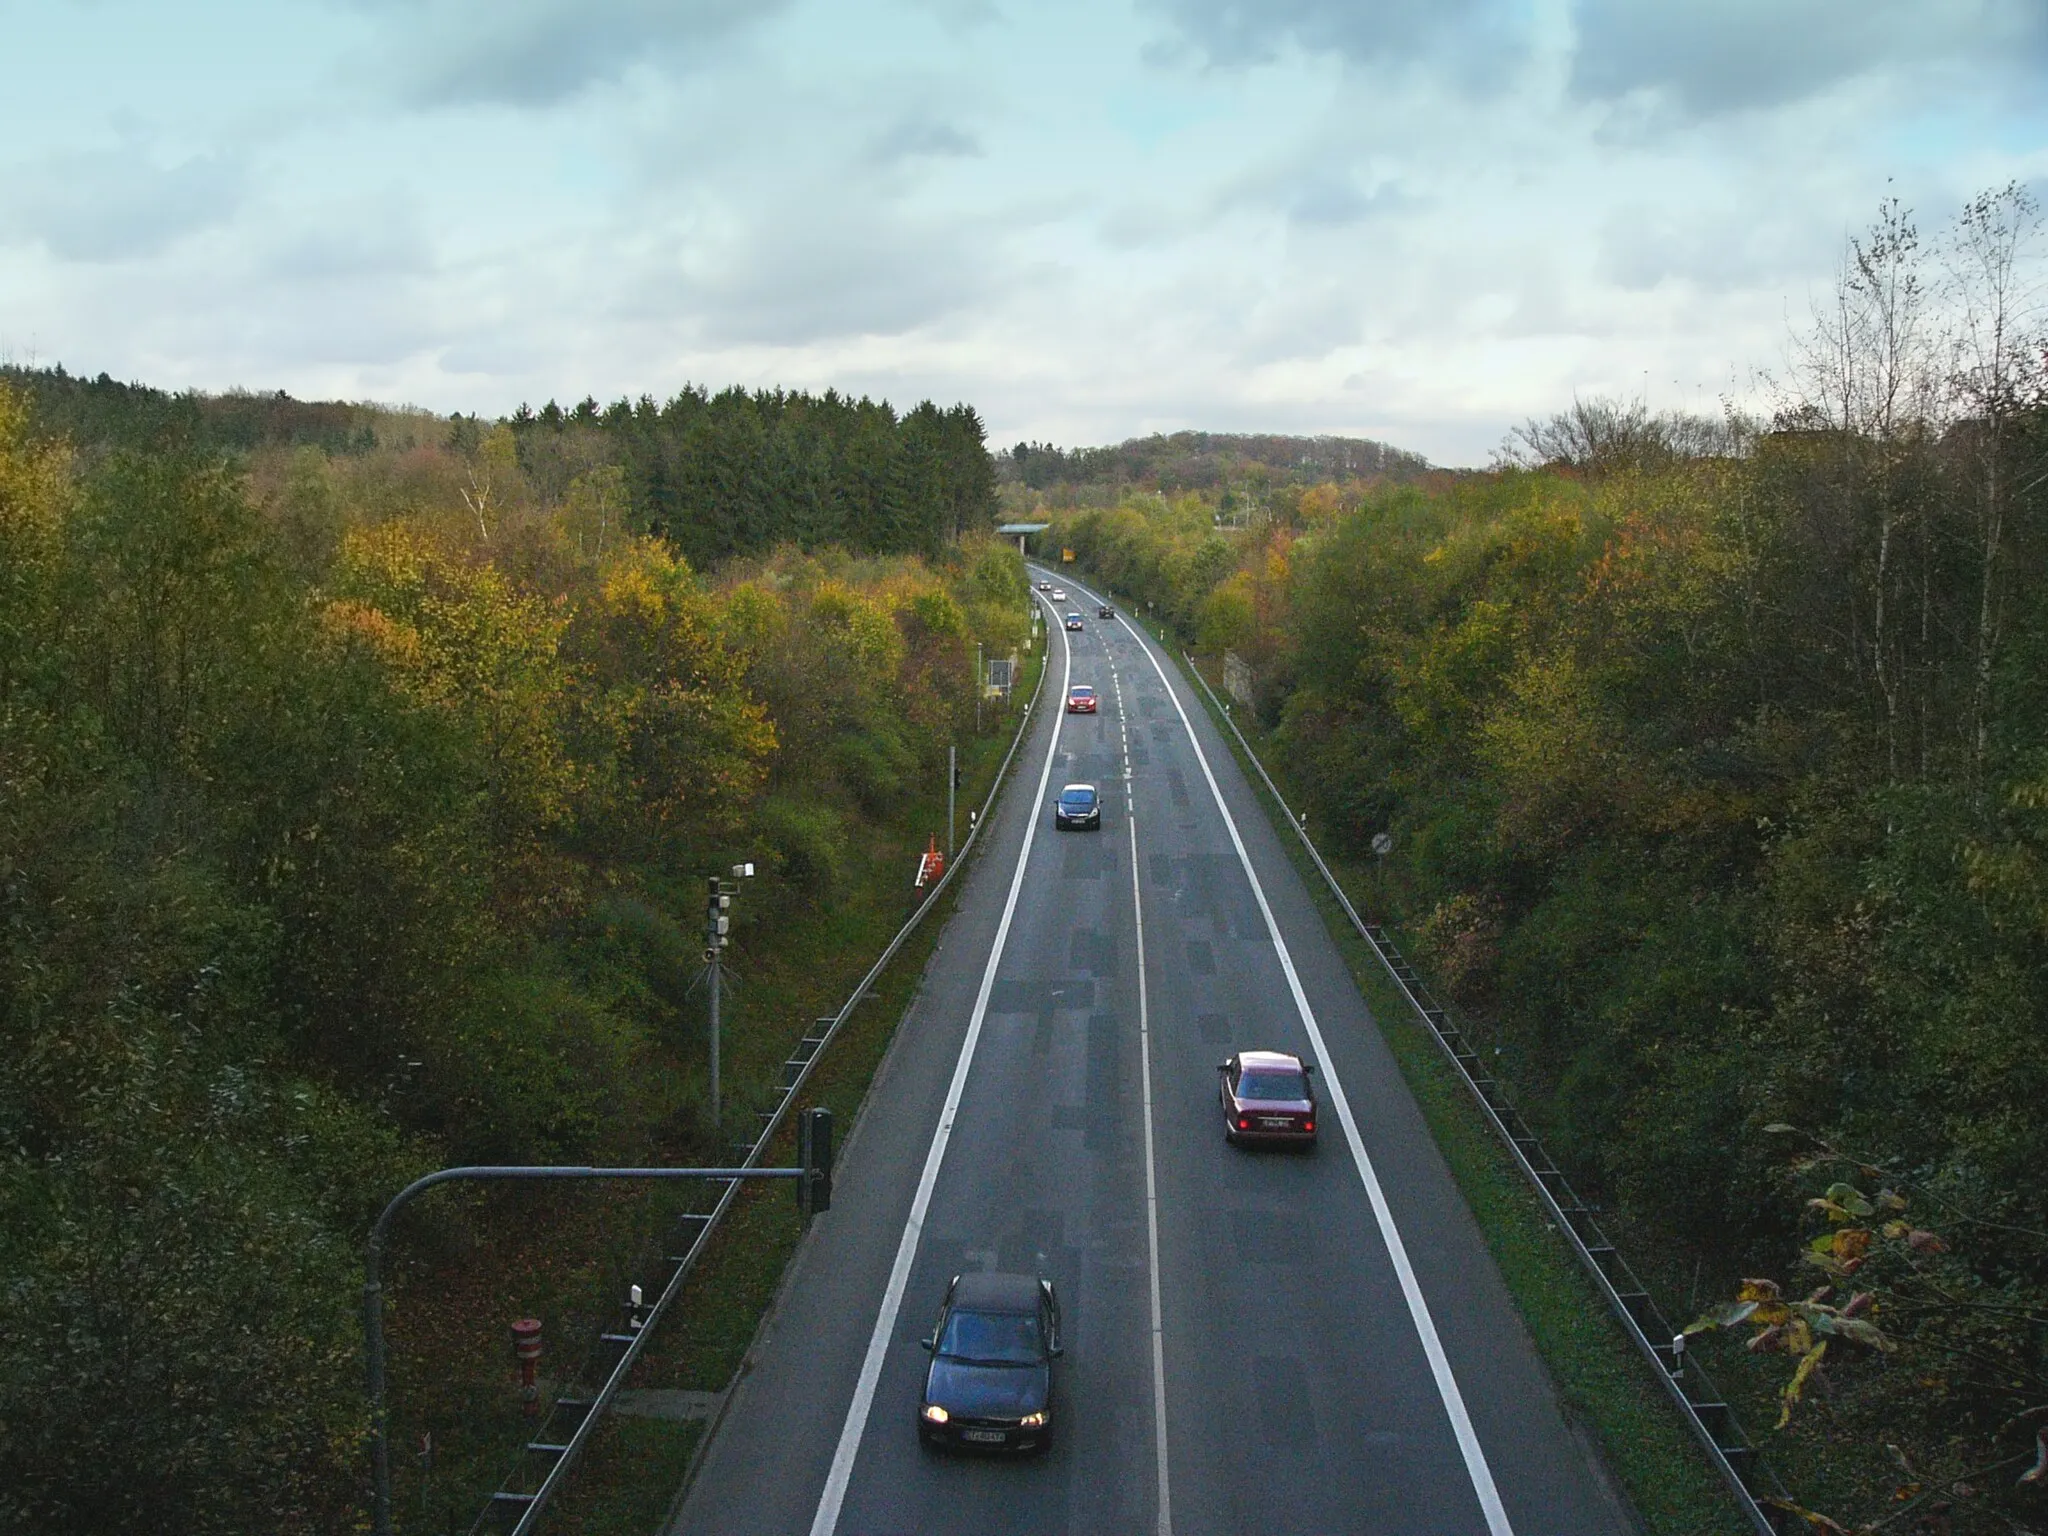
(1272, 1124)
(983, 1436)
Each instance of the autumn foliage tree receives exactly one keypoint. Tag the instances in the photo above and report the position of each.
(343, 789)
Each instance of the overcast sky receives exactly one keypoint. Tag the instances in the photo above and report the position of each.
(1417, 220)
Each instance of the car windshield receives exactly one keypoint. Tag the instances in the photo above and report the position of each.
(1272, 1085)
(1082, 797)
(992, 1338)
(1084, 693)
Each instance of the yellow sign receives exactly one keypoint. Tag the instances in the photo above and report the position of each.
(1066, 557)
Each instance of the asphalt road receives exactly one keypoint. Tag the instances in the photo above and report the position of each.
(1326, 1333)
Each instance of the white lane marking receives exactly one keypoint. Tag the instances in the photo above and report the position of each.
(836, 1480)
(1411, 1288)
(1165, 1523)
(1151, 1206)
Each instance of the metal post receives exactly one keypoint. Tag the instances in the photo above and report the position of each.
(373, 1330)
(952, 777)
(715, 947)
(980, 687)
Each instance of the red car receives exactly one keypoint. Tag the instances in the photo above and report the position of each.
(1080, 700)
(1267, 1097)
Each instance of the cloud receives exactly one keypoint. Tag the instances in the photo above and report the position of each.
(116, 204)
(1712, 56)
(538, 53)
(802, 273)
(367, 239)
(1471, 40)
(918, 138)
(1702, 56)
(1329, 198)
(962, 15)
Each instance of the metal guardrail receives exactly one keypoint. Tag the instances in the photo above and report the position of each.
(1758, 1492)
(545, 1461)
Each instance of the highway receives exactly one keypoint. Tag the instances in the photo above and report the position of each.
(1257, 1341)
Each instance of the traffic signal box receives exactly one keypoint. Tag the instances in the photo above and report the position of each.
(716, 924)
(814, 1153)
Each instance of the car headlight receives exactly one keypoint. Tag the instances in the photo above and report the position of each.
(934, 1414)
(1032, 1420)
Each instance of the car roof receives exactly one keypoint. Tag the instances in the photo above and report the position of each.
(1070, 788)
(1268, 1061)
(1082, 688)
(996, 1293)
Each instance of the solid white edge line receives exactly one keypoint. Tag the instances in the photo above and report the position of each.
(1165, 1524)
(826, 1521)
(1476, 1467)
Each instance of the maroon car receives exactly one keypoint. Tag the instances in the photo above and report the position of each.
(1080, 700)
(1267, 1098)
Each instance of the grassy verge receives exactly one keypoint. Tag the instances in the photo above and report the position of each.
(1603, 1382)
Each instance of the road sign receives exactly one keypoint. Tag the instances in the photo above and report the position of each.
(1382, 844)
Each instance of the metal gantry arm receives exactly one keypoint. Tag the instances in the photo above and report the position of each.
(373, 1283)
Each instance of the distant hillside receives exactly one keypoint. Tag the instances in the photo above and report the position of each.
(1197, 461)
(102, 412)
(719, 475)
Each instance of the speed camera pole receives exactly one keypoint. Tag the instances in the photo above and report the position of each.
(715, 925)
(717, 928)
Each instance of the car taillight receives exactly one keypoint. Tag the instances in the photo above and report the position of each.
(1308, 1125)
(1244, 1122)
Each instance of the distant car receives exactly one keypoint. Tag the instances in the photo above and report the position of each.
(1059, 594)
(1073, 621)
(1078, 806)
(1105, 612)
(1267, 1097)
(1080, 700)
(1045, 586)
(990, 1383)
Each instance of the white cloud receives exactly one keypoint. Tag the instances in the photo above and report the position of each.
(1299, 216)
(116, 204)
(539, 53)
(1708, 56)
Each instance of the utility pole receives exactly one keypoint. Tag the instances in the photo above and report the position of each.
(980, 687)
(952, 783)
(717, 934)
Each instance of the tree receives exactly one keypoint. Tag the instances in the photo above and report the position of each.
(1997, 375)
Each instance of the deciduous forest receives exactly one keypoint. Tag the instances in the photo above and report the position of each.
(1228, 463)
(1715, 758)
(358, 774)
